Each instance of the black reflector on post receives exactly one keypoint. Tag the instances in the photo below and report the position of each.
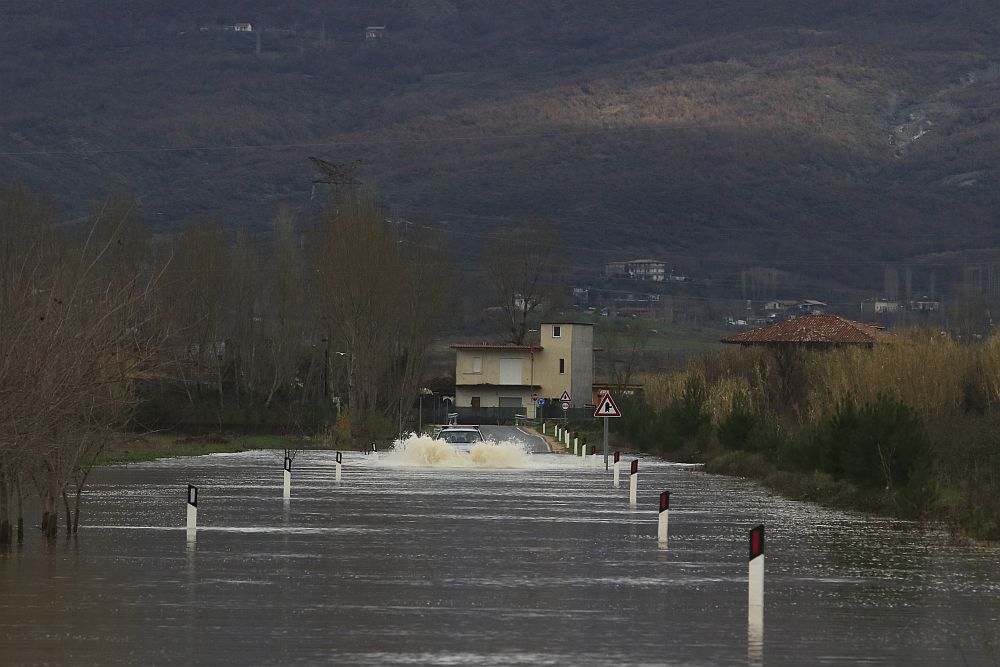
(192, 495)
(288, 464)
(664, 501)
(756, 542)
(617, 456)
(635, 467)
(339, 457)
(593, 449)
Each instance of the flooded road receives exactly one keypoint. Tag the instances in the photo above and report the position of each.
(538, 562)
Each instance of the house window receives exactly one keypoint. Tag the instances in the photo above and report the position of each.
(476, 402)
(556, 331)
(477, 364)
(562, 367)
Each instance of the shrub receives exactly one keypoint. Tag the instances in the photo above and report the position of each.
(734, 429)
(883, 444)
(690, 415)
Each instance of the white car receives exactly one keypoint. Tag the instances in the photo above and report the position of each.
(460, 437)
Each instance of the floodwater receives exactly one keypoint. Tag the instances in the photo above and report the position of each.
(505, 559)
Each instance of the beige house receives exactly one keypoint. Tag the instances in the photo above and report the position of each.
(637, 269)
(513, 376)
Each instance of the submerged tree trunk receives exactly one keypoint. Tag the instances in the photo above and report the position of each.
(5, 511)
(20, 510)
(50, 517)
(69, 515)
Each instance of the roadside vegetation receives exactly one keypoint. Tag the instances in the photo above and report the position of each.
(106, 332)
(907, 429)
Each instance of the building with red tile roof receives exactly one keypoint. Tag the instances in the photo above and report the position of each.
(815, 331)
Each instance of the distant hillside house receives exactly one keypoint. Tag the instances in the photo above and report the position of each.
(240, 27)
(373, 32)
(799, 307)
(637, 269)
(881, 307)
(925, 305)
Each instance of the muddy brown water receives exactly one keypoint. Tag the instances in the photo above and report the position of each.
(542, 564)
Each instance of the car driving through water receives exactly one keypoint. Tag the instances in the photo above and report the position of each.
(461, 438)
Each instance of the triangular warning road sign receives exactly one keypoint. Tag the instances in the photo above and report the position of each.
(607, 408)
(565, 397)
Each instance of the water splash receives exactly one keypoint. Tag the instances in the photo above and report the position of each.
(424, 451)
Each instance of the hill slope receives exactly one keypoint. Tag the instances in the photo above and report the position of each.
(819, 140)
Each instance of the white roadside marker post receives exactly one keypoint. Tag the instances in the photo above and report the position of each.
(339, 461)
(755, 608)
(593, 456)
(287, 490)
(633, 483)
(617, 469)
(583, 449)
(192, 511)
(661, 529)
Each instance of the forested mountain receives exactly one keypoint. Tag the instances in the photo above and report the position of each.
(823, 139)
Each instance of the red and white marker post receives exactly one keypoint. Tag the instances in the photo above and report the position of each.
(618, 469)
(755, 608)
(287, 489)
(756, 538)
(192, 511)
(661, 529)
(633, 484)
(340, 459)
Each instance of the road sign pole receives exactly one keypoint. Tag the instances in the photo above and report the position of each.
(605, 444)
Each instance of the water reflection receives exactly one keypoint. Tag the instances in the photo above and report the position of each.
(755, 636)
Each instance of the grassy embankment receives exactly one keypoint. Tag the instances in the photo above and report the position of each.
(906, 430)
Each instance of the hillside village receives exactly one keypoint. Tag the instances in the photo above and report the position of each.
(652, 289)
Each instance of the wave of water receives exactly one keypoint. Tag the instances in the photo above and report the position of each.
(424, 451)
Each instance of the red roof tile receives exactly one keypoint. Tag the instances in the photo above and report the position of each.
(816, 330)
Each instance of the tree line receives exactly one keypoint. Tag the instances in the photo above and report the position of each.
(906, 428)
(106, 327)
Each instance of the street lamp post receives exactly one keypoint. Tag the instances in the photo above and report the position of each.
(350, 374)
(531, 352)
(420, 420)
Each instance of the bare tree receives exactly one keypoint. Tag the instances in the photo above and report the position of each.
(380, 301)
(524, 269)
(624, 349)
(285, 309)
(73, 341)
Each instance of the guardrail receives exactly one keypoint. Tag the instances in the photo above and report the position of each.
(525, 420)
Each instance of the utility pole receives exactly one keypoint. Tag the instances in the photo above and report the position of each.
(337, 176)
